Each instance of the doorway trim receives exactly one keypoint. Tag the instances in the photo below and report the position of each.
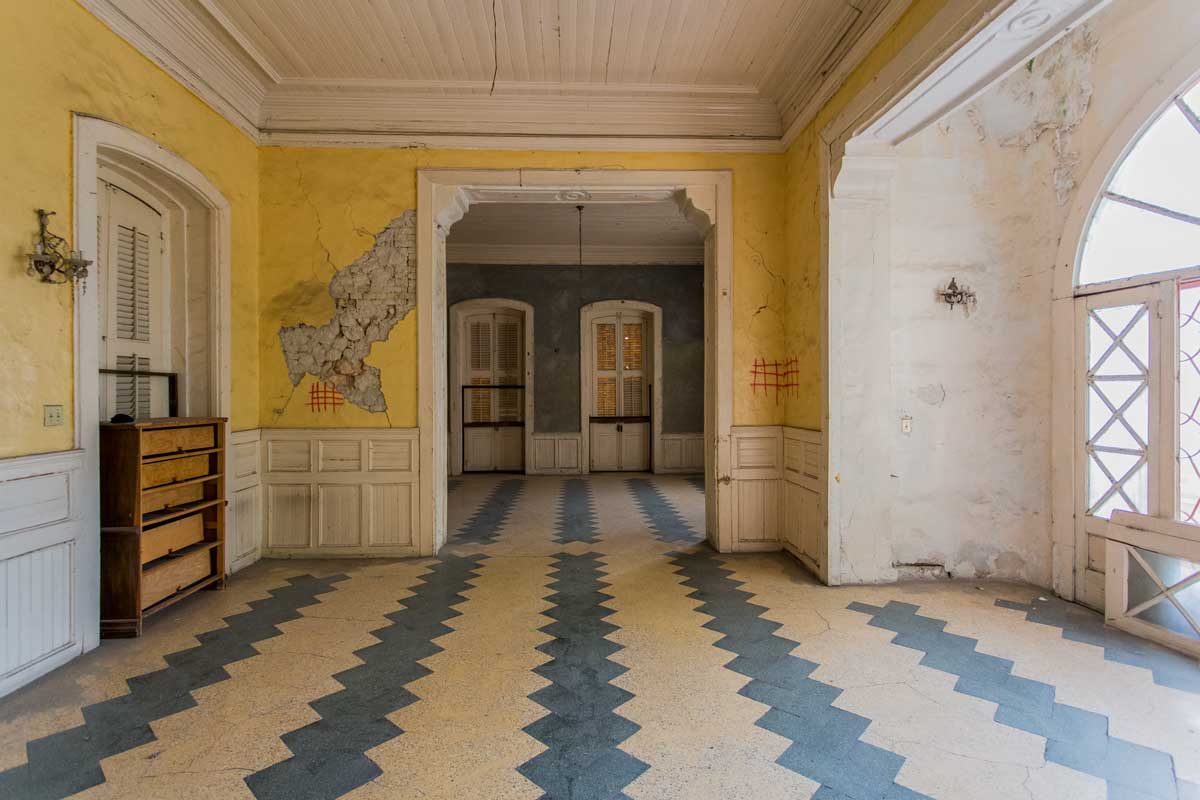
(586, 315)
(97, 143)
(705, 197)
(457, 312)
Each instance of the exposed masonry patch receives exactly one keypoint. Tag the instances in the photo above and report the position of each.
(330, 755)
(825, 740)
(1075, 738)
(68, 762)
(582, 732)
(576, 513)
(484, 526)
(370, 296)
(1080, 624)
(667, 523)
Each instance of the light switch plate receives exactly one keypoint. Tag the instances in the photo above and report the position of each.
(52, 416)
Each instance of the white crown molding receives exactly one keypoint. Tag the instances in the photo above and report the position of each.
(489, 141)
(568, 254)
(194, 50)
(879, 27)
(1001, 43)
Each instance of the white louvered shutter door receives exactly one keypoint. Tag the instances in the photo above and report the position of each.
(478, 361)
(510, 366)
(136, 334)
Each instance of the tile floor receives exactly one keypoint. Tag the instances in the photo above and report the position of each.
(576, 639)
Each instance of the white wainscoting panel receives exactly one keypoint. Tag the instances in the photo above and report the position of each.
(804, 502)
(42, 610)
(681, 452)
(555, 454)
(340, 492)
(757, 487)
(244, 520)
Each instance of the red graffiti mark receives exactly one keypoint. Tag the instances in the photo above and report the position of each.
(324, 397)
(781, 376)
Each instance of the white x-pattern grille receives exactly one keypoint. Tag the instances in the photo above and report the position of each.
(1118, 380)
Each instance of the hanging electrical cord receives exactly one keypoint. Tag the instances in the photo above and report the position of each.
(580, 210)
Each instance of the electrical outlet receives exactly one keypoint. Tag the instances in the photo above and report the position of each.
(52, 416)
(906, 425)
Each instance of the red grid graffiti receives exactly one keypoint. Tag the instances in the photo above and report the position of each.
(781, 376)
(324, 397)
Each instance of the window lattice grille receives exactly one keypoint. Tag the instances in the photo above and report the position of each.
(1118, 408)
(606, 396)
(606, 346)
(631, 352)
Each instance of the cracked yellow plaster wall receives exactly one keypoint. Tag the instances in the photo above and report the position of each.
(58, 58)
(803, 336)
(320, 207)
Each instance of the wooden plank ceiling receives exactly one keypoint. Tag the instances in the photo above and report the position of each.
(734, 69)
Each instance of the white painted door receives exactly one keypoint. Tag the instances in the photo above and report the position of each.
(620, 393)
(1127, 369)
(135, 316)
(493, 360)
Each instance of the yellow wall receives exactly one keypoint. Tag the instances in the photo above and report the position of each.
(299, 212)
(803, 337)
(58, 58)
(319, 207)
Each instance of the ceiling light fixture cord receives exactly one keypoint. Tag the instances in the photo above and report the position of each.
(495, 50)
(580, 210)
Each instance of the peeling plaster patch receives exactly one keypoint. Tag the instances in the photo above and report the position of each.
(370, 296)
(1051, 96)
(932, 394)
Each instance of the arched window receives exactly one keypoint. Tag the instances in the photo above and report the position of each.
(1148, 217)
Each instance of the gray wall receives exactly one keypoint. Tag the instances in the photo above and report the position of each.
(557, 294)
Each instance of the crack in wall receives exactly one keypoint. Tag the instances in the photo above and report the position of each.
(370, 296)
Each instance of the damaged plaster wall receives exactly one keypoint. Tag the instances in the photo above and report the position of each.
(370, 296)
(983, 196)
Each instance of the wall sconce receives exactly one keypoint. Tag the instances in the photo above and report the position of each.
(50, 261)
(954, 295)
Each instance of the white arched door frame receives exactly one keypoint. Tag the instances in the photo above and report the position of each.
(458, 312)
(705, 197)
(1070, 552)
(586, 358)
(97, 143)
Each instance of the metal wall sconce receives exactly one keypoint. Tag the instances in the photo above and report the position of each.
(954, 295)
(50, 259)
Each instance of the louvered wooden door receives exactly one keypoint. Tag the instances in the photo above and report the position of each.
(135, 331)
(620, 404)
(493, 418)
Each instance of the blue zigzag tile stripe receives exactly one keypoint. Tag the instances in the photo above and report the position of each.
(330, 754)
(484, 526)
(68, 762)
(576, 513)
(696, 482)
(582, 732)
(1075, 738)
(452, 484)
(1080, 624)
(667, 523)
(826, 746)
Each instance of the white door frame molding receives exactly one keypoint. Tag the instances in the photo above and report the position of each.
(443, 196)
(98, 142)
(586, 314)
(458, 312)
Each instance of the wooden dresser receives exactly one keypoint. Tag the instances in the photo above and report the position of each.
(162, 516)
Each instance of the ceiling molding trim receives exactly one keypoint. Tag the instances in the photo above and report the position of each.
(879, 27)
(383, 111)
(567, 255)
(489, 141)
(191, 49)
(1000, 44)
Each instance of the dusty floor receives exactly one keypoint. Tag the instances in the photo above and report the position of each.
(577, 640)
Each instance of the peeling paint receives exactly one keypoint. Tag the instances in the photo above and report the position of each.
(370, 296)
